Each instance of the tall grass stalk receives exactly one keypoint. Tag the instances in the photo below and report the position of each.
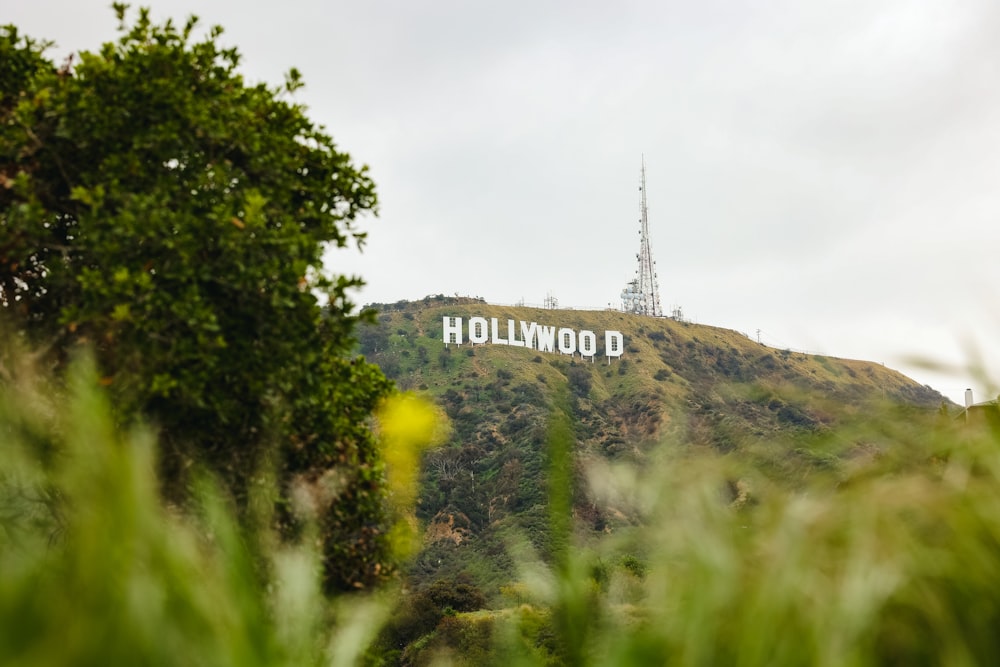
(897, 562)
(96, 570)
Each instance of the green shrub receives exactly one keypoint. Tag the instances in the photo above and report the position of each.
(457, 595)
(418, 614)
(579, 380)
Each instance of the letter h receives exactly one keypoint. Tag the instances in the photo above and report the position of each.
(452, 331)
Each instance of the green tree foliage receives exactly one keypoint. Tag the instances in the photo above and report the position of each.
(156, 207)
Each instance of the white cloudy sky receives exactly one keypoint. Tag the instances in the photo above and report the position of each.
(825, 171)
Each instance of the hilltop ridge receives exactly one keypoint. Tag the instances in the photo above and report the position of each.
(693, 354)
(676, 385)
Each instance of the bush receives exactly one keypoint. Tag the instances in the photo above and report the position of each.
(460, 596)
(419, 614)
(470, 639)
(579, 380)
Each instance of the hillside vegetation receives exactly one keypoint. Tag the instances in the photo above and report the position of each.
(679, 389)
(868, 537)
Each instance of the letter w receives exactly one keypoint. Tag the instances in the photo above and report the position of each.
(546, 338)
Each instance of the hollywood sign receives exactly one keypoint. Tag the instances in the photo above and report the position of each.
(533, 336)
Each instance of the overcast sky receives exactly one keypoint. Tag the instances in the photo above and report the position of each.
(825, 171)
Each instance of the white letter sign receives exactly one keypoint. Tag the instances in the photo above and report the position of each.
(546, 339)
(567, 341)
(452, 332)
(613, 344)
(588, 344)
(477, 330)
(534, 336)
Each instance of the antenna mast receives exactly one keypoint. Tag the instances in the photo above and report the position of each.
(642, 295)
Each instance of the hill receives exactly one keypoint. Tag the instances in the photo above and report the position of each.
(677, 387)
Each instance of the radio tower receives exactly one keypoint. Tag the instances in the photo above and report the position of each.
(642, 295)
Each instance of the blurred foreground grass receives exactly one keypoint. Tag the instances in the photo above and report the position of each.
(96, 570)
(895, 564)
(896, 561)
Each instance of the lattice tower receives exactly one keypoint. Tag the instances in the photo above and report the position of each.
(642, 295)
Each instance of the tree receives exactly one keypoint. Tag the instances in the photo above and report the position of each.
(159, 209)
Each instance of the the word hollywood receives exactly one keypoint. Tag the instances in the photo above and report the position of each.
(533, 336)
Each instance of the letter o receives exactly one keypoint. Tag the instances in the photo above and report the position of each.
(567, 341)
(478, 330)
